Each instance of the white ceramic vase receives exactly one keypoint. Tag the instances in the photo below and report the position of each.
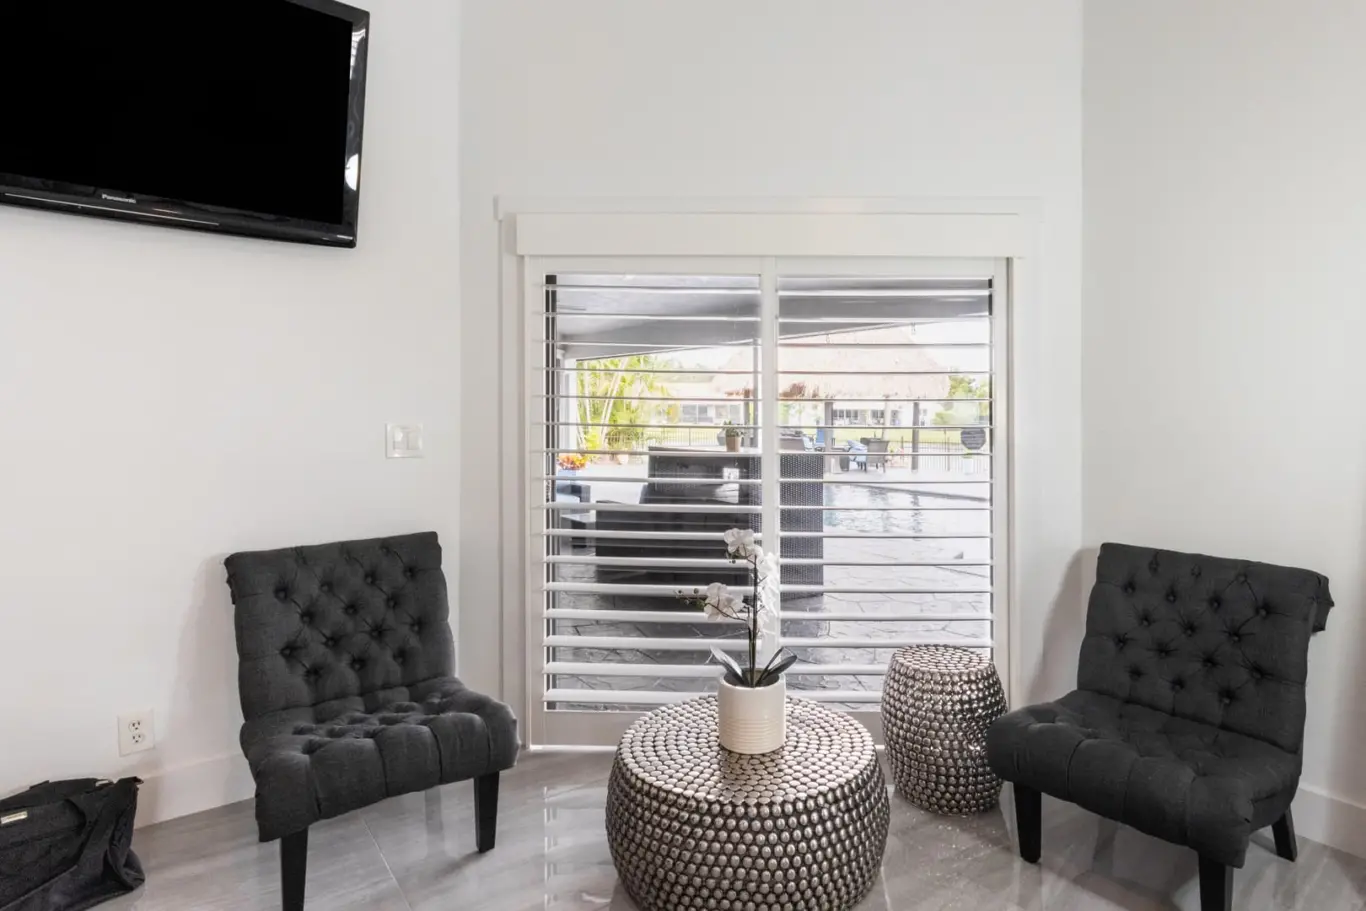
(752, 720)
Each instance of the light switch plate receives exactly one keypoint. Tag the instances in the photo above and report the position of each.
(403, 441)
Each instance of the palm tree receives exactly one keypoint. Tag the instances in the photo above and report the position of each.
(609, 397)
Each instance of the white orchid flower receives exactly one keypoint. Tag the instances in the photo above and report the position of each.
(767, 565)
(759, 615)
(715, 600)
(740, 542)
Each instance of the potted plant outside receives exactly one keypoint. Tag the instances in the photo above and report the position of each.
(571, 463)
(752, 698)
(733, 435)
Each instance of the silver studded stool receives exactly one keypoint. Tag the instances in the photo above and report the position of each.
(937, 704)
(693, 826)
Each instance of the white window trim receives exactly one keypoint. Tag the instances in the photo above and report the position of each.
(739, 233)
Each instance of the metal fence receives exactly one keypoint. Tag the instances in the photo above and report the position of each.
(904, 452)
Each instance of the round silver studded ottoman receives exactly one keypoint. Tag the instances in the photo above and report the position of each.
(693, 826)
(937, 704)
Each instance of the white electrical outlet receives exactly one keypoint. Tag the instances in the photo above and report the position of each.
(136, 733)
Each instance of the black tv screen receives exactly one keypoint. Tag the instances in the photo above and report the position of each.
(242, 116)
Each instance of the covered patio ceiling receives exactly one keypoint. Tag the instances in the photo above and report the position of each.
(607, 316)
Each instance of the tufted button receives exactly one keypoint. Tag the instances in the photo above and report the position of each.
(400, 657)
(376, 633)
(408, 573)
(1135, 673)
(1152, 566)
(1163, 651)
(281, 593)
(1146, 621)
(1226, 698)
(286, 651)
(1195, 571)
(1257, 673)
(1128, 588)
(306, 617)
(1171, 597)
(1208, 663)
(357, 665)
(1120, 642)
(1241, 577)
(1234, 637)
(1262, 611)
(1188, 629)
(1178, 685)
(1214, 601)
(329, 642)
(312, 674)
(417, 626)
(350, 610)
(326, 587)
(369, 579)
(391, 603)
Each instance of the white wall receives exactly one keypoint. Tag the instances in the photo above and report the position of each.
(167, 398)
(790, 98)
(1225, 316)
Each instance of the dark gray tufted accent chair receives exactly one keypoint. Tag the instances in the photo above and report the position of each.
(1188, 718)
(345, 675)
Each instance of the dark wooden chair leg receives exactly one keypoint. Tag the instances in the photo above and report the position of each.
(1283, 830)
(1216, 886)
(486, 811)
(1029, 822)
(293, 870)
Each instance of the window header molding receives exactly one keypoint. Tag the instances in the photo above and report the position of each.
(507, 206)
(851, 227)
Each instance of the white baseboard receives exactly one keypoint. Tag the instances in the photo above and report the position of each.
(193, 788)
(1329, 820)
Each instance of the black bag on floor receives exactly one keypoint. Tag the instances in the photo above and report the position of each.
(67, 845)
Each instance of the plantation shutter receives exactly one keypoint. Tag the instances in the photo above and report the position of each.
(644, 377)
(885, 477)
(889, 541)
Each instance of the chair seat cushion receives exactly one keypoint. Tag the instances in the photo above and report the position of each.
(310, 764)
(1179, 780)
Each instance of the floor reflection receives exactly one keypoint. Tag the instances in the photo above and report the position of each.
(416, 853)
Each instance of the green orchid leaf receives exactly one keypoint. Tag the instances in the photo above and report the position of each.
(779, 663)
(730, 664)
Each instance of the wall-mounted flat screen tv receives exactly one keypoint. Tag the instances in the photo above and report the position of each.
(239, 116)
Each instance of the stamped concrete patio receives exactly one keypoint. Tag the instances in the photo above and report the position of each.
(953, 508)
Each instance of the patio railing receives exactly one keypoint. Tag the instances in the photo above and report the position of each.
(930, 456)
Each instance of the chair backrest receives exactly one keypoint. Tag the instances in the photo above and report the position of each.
(1218, 641)
(339, 627)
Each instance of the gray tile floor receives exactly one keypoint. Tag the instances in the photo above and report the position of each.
(416, 852)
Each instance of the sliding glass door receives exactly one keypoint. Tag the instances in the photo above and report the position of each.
(849, 415)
